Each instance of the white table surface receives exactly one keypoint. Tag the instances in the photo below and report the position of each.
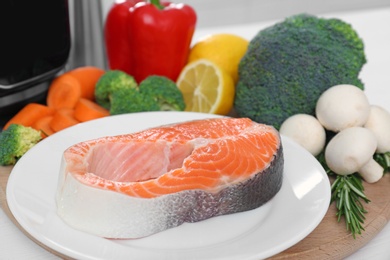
(373, 26)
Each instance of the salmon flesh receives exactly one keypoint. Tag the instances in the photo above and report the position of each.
(135, 185)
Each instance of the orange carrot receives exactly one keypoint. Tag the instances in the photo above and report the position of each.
(29, 114)
(86, 110)
(88, 76)
(64, 92)
(43, 125)
(62, 119)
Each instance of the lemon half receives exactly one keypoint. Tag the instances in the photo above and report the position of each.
(206, 88)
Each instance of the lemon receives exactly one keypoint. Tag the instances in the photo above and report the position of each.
(206, 88)
(224, 49)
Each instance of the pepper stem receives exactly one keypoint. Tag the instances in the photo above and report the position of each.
(157, 4)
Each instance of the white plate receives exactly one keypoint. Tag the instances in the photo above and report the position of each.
(282, 222)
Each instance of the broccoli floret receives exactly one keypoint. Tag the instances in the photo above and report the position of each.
(290, 64)
(110, 82)
(15, 141)
(164, 91)
(155, 93)
(130, 100)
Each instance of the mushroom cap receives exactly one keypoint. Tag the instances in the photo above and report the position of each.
(350, 149)
(341, 107)
(379, 123)
(306, 131)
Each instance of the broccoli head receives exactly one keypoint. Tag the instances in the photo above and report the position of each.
(164, 91)
(130, 100)
(15, 141)
(290, 64)
(110, 82)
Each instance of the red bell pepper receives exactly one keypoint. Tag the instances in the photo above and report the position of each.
(158, 40)
(115, 34)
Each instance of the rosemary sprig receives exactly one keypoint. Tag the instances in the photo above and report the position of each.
(347, 193)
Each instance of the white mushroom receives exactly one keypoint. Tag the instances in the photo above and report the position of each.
(342, 106)
(379, 123)
(306, 131)
(352, 150)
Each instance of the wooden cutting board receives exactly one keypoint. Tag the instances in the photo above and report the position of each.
(329, 240)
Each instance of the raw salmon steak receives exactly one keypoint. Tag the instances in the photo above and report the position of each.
(135, 185)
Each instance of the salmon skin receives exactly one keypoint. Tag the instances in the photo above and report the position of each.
(135, 185)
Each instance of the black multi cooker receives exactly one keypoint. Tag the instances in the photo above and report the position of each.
(34, 47)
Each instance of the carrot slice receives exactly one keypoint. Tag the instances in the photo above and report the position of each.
(62, 119)
(88, 76)
(64, 92)
(43, 125)
(86, 110)
(29, 114)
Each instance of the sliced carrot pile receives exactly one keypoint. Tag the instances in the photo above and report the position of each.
(29, 114)
(87, 76)
(86, 110)
(70, 100)
(62, 119)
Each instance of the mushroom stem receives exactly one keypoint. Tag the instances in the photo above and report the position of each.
(371, 172)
